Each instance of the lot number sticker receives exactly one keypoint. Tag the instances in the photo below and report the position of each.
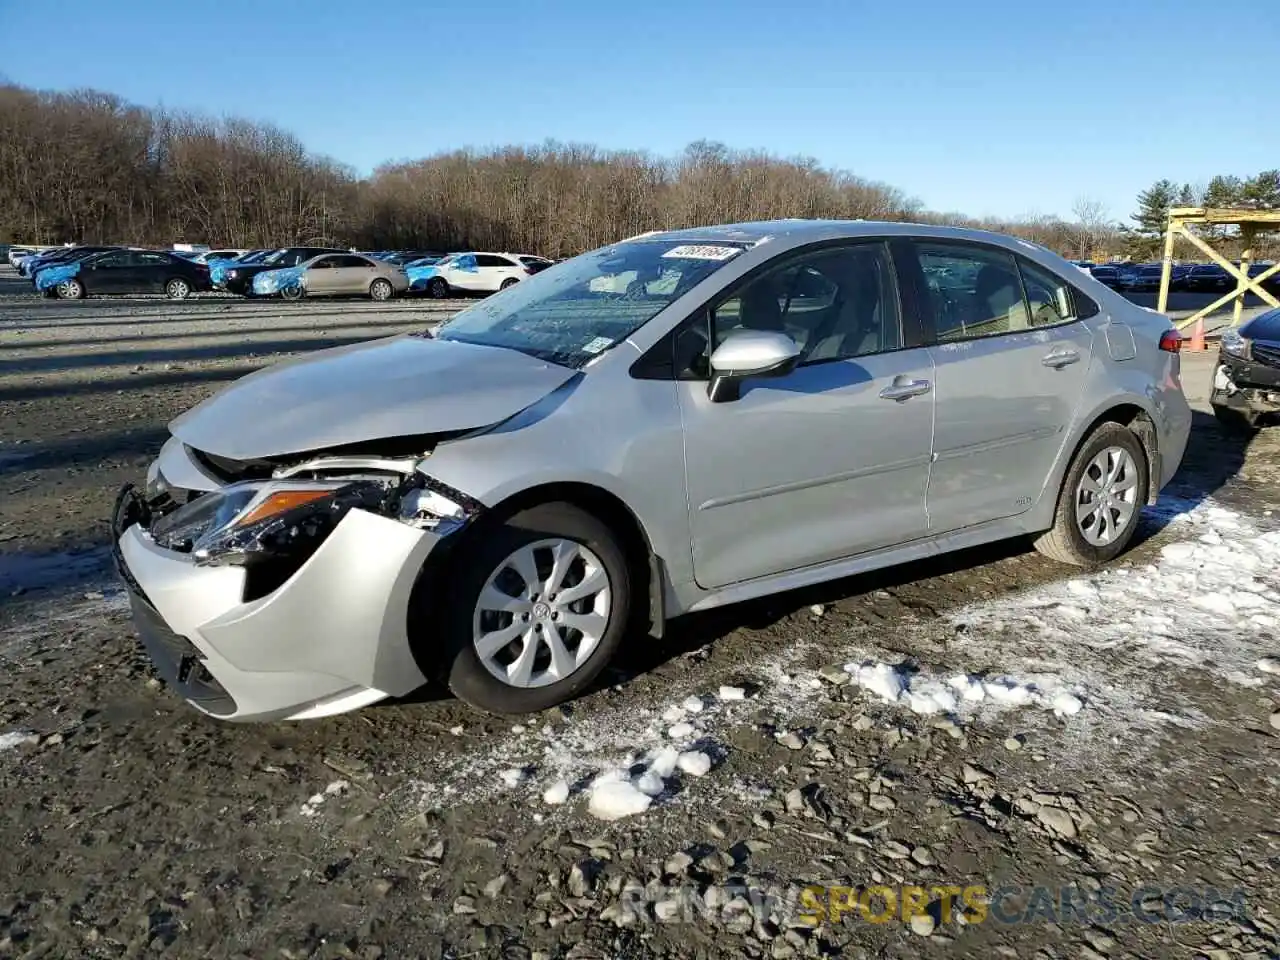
(702, 252)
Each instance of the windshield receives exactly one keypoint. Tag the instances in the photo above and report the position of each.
(424, 262)
(576, 310)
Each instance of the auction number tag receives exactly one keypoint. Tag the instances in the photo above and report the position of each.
(702, 251)
(598, 344)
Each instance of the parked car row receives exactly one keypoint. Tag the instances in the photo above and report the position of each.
(287, 272)
(1192, 277)
(297, 272)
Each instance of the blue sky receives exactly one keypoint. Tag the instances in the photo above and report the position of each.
(990, 107)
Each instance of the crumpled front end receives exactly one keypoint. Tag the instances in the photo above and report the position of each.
(50, 277)
(218, 271)
(419, 277)
(271, 282)
(268, 592)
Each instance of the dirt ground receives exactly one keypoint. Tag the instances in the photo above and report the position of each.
(1124, 752)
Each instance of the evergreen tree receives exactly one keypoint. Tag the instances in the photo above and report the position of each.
(1263, 190)
(1153, 208)
(1224, 192)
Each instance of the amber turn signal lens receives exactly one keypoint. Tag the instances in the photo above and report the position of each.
(280, 502)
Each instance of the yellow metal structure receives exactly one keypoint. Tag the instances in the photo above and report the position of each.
(1250, 222)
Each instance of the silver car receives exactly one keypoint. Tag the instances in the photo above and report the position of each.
(668, 424)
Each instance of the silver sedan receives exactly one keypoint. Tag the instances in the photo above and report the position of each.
(664, 425)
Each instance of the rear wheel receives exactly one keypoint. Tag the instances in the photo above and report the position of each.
(509, 282)
(1101, 499)
(177, 289)
(70, 290)
(536, 610)
(438, 288)
(380, 290)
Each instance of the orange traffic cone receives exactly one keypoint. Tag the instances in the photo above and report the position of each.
(1197, 336)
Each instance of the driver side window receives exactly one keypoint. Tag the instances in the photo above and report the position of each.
(836, 303)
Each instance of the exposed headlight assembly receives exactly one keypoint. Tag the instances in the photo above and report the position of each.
(265, 518)
(1233, 344)
(431, 505)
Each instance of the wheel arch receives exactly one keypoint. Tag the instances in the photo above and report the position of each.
(606, 506)
(1126, 410)
(612, 510)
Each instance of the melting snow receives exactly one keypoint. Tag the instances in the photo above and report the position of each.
(959, 694)
(314, 802)
(16, 738)
(1209, 601)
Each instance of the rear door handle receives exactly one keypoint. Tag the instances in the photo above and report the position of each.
(1060, 358)
(904, 388)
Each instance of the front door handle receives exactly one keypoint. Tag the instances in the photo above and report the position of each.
(1060, 358)
(904, 388)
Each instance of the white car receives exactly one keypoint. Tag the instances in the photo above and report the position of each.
(476, 273)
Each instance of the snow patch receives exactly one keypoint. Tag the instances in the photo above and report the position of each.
(313, 803)
(959, 694)
(16, 738)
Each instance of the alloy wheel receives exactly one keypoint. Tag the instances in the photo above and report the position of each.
(1107, 496)
(542, 613)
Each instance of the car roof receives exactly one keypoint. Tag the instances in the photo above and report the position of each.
(797, 231)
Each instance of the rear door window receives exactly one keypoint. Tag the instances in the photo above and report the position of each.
(1049, 297)
(971, 291)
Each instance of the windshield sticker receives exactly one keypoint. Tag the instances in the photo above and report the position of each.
(702, 251)
(598, 344)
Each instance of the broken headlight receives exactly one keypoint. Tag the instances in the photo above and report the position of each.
(430, 505)
(1235, 345)
(264, 518)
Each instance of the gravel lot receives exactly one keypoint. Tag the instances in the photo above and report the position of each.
(1108, 731)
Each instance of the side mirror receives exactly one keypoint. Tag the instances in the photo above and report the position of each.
(749, 353)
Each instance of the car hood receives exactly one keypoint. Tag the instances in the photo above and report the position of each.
(401, 386)
(1265, 326)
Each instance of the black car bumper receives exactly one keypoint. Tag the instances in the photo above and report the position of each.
(175, 658)
(1254, 384)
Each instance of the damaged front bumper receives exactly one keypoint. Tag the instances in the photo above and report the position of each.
(1249, 386)
(332, 637)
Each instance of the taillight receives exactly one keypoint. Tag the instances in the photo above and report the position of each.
(1171, 341)
(528, 271)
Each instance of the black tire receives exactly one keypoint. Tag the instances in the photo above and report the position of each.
(1064, 541)
(438, 288)
(295, 291)
(1234, 421)
(71, 289)
(177, 289)
(509, 282)
(381, 290)
(461, 668)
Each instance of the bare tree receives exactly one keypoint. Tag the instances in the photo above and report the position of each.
(1090, 225)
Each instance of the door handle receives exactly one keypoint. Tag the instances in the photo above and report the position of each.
(1060, 358)
(904, 388)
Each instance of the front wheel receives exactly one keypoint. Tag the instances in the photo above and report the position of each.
(70, 290)
(438, 288)
(380, 290)
(537, 609)
(177, 289)
(292, 292)
(1101, 499)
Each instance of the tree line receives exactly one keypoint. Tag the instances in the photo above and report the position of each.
(87, 166)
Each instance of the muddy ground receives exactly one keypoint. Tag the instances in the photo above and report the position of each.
(133, 826)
